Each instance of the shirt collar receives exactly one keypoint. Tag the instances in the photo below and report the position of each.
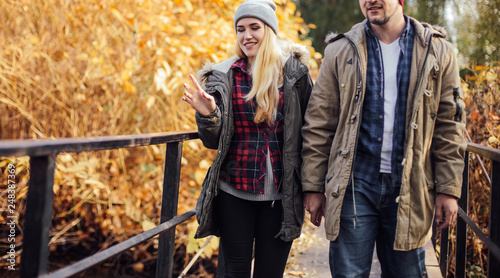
(241, 64)
(402, 39)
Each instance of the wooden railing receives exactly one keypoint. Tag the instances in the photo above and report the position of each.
(40, 200)
(493, 240)
(37, 219)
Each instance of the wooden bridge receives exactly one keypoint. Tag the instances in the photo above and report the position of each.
(37, 220)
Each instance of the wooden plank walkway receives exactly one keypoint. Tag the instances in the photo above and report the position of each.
(309, 257)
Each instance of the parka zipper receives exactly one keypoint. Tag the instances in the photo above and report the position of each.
(285, 99)
(359, 89)
(285, 108)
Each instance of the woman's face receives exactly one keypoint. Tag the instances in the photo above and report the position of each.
(250, 33)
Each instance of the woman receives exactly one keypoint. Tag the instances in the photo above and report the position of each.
(252, 111)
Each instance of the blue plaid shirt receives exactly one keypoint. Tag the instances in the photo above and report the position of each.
(367, 161)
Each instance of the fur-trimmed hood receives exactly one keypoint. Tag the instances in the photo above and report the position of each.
(289, 50)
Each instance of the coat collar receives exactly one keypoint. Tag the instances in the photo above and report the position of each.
(423, 31)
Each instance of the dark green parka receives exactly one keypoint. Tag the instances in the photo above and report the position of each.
(216, 131)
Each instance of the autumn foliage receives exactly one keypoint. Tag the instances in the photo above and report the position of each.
(107, 67)
(110, 67)
(482, 98)
(481, 87)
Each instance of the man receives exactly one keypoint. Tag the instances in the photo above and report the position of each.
(383, 140)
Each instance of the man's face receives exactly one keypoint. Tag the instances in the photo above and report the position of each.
(379, 12)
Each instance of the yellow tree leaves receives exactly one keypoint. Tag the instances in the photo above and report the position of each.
(112, 51)
(482, 93)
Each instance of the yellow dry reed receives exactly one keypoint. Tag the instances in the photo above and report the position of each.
(79, 68)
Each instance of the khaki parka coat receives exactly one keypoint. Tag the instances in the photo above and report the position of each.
(434, 143)
(216, 131)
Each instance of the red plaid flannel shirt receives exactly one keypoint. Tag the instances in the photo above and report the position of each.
(245, 164)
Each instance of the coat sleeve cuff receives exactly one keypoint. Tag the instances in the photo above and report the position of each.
(216, 114)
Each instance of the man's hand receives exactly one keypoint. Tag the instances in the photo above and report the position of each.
(314, 203)
(449, 206)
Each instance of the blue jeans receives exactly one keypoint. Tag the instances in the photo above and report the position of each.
(376, 208)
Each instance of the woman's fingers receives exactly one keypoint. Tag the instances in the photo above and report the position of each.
(195, 82)
(197, 90)
(202, 102)
(208, 97)
(189, 89)
(188, 95)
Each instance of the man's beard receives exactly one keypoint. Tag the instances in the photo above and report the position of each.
(383, 20)
(379, 22)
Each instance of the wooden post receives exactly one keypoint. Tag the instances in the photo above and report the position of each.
(463, 202)
(37, 219)
(494, 262)
(170, 198)
(443, 255)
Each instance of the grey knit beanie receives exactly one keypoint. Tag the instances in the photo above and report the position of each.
(260, 9)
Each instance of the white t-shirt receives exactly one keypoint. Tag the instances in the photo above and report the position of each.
(390, 57)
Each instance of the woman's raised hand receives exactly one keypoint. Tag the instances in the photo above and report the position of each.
(202, 102)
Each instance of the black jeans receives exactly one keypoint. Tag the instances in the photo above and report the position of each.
(241, 222)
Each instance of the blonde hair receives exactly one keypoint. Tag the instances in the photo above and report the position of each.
(267, 76)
